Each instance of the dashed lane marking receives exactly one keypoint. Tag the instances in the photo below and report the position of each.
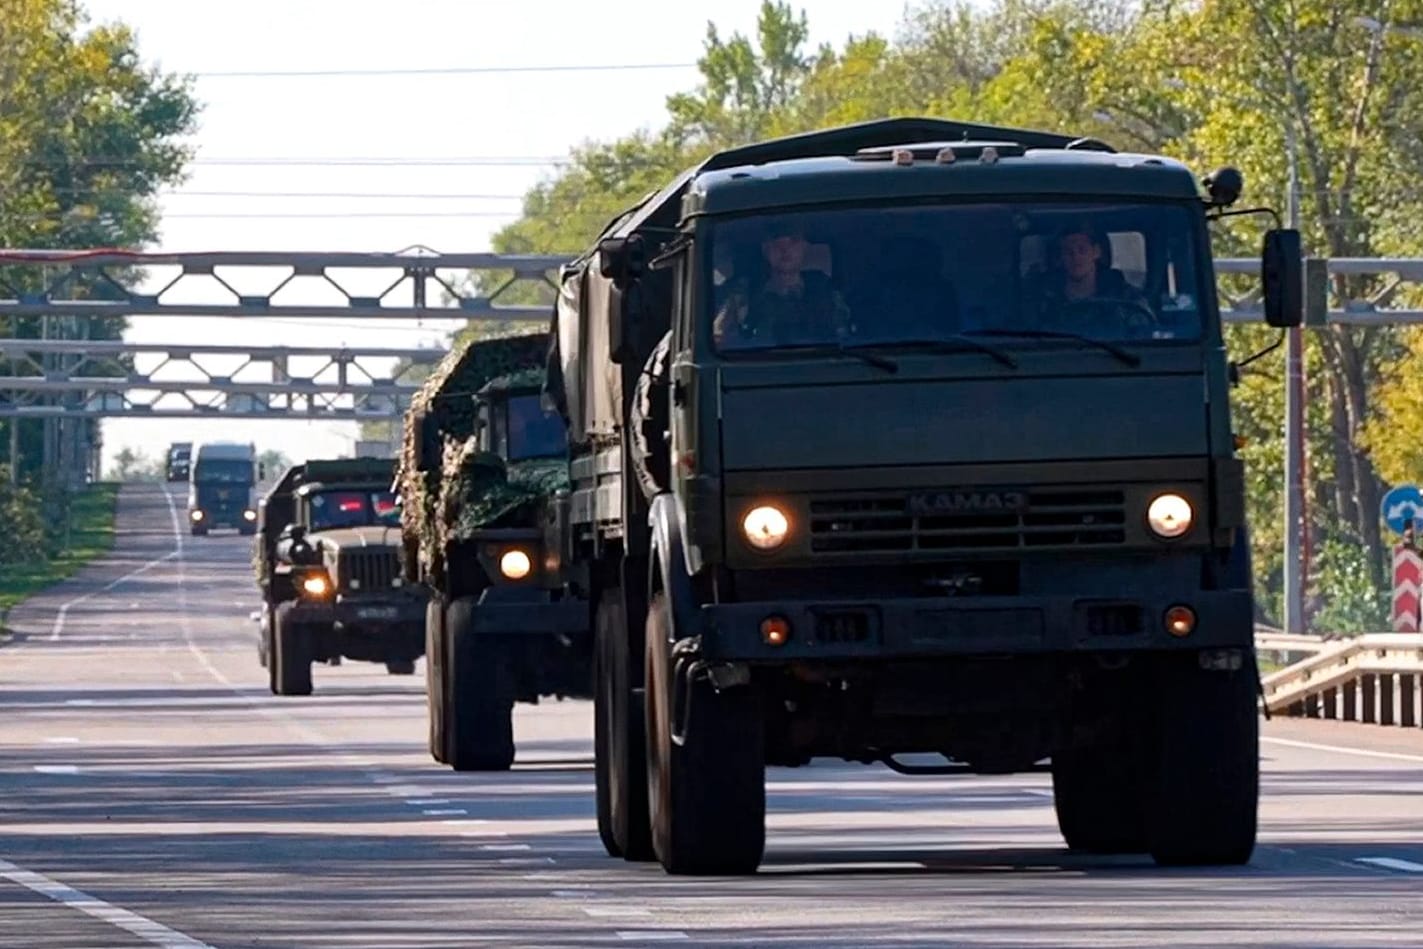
(444, 812)
(63, 613)
(1392, 863)
(153, 933)
(651, 935)
(57, 769)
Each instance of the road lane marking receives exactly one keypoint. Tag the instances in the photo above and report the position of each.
(57, 768)
(428, 801)
(1392, 863)
(651, 935)
(64, 608)
(155, 934)
(66, 740)
(626, 912)
(445, 812)
(1339, 749)
(505, 847)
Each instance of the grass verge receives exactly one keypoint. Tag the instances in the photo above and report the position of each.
(92, 536)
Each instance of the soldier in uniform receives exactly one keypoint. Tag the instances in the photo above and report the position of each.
(789, 305)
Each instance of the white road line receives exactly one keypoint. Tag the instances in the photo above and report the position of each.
(651, 935)
(626, 912)
(1339, 749)
(62, 741)
(57, 769)
(64, 608)
(429, 801)
(505, 847)
(155, 934)
(1392, 863)
(445, 812)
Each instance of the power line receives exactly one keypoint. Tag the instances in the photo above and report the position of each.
(333, 161)
(333, 194)
(441, 70)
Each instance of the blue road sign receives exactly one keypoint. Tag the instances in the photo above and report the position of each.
(1403, 502)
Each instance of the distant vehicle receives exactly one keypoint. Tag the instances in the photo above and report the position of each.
(328, 565)
(221, 488)
(180, 456)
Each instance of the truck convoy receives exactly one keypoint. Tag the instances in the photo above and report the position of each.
(483, 481)
(327, 560)
(222, 487)
(913, 437)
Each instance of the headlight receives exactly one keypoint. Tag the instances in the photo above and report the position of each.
(1170, 515)
(315, 585)
(196, 515)
(249, 515)
(765, 527)
(515, 564)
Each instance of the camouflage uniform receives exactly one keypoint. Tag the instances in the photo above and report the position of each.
(813, 313)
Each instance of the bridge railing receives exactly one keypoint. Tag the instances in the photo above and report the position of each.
(1376, 678)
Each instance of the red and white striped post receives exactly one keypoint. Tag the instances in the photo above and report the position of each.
(1407, 577)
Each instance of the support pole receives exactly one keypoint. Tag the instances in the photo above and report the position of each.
(1294, 436)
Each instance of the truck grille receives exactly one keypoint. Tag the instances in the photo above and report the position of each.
(368, 568)
(1056, 517)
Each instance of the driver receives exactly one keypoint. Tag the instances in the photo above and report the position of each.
(1084, 273)
(789, 304)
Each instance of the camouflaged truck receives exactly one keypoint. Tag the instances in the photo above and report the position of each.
(915, 437)
(483, 481)
(327, 558)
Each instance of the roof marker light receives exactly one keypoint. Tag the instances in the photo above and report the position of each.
(903, 156)
(946, 156)
(989, 155)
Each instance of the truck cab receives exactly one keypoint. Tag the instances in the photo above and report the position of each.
(180, 456)
(222, 488)
(931, 424)
(327, 562)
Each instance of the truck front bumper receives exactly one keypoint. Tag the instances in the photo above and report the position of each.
(932, 627)
(528, 611)
(371, 629)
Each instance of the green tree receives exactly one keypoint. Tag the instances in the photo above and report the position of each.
(88, 135)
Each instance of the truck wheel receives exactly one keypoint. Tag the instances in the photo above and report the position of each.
(401, 667)
(480, 735)
(706, 790)
(436, 662)
(292, 654)
(199, 531)
(1097, 793)
(1205, 785)
(619, 742)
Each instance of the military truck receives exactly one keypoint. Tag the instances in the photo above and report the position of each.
(484, 481)
(327, 558)
(914, 437)
(180, 456)
(222, 487)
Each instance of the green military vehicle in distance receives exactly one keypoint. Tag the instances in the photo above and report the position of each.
(484, 482)
(914, 437)
(327, 558)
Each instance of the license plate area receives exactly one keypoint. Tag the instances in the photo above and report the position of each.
(376, 612)
(843, 626)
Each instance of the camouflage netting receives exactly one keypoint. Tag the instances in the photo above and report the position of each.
(446, 403)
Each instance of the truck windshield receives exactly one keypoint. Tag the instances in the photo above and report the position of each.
(333, 509)
(224, 471)
(532, 431)
(1010, 274)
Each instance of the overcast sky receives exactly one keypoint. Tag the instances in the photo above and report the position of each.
(224, 206)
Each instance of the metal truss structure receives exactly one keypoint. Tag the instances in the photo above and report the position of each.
(1338, 291)
(113, 379)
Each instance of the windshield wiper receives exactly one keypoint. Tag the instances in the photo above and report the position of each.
(1131, 359)
(838, 349)
(953, 343)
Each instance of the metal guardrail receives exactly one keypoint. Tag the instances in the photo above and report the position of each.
(1375, 678)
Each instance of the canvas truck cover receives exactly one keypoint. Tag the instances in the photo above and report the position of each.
(442, 415)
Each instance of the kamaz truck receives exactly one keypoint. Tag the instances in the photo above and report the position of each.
(484, 486)
(327, 559)
(222, 487)
(907, 438)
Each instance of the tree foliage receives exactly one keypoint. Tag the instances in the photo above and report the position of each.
(88, 135)
(1243, 82)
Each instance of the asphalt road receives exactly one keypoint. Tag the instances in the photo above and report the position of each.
(153, 793)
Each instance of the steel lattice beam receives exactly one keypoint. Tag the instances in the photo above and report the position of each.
(410, 285)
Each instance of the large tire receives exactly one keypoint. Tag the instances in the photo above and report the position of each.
(707, 791)
(401, 667)
(292, 654)
(480, 721)
(436, 663)
(1098, 795)
(619, 740)
(1204, 793)
(199, 531)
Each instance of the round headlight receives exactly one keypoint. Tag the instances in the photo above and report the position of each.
(249, 515)
(315, 585)
(515, 564)
(1170, 515)
(765, 527)
(196, 515)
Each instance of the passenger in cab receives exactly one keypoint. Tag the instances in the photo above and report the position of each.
(787, 304)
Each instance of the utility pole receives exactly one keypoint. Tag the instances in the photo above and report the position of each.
(1294, 431)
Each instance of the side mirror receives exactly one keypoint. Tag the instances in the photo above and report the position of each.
(293, 532)
(1282, 277)
(429, 455)
(261, 472)
(1224, 186)
(622, 259)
